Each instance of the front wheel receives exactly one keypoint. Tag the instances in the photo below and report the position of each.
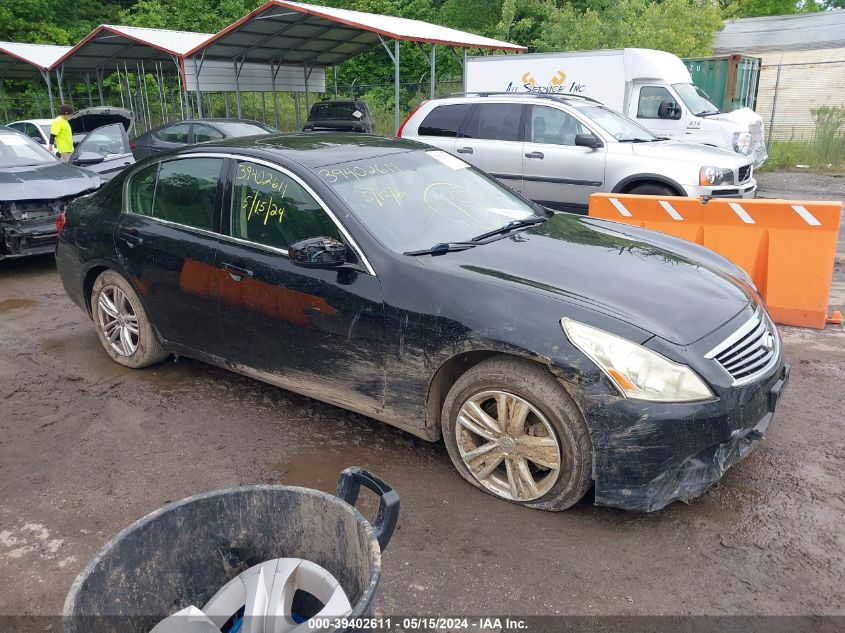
(513, 431)
(653, 189)
(122, 325)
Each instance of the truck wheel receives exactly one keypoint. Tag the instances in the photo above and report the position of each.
(513, 431)
(652, 189)
(122, 325)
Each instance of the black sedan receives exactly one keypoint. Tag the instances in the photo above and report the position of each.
(550, 352)
(34, 188)
(175, 135)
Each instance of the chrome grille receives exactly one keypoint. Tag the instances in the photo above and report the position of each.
(744, 173)
(750, 351)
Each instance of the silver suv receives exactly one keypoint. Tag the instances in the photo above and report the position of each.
(557, 150)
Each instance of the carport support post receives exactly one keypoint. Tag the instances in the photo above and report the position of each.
(37, 99)
(432, 70)
(88, 85)
(59, 76)
(237, 86)
(46, 76)
(198, 91)
(99, 72)
(273, 70)
(396, 87)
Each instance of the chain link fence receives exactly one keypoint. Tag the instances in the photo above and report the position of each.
(803, 110)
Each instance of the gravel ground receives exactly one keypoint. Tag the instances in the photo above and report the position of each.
(87, 447)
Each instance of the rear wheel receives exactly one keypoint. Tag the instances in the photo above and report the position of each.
(122, 325)
(513, 431)
(653, 189)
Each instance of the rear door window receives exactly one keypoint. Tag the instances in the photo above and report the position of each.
(204, 133)
(272, 209)
(495, 121)
(142, 188)
(174, 134)
(186, 191)
(444, 120)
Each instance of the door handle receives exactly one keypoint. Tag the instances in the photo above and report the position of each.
(236, 272)
(534, 155)
(131, 237)
(464, 150)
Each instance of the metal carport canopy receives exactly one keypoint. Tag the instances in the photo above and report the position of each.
(311, 35)
(108, 47)
(22, 61)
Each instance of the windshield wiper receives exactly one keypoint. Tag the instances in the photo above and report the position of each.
(637, 140)
(507, 228)
(442, 248)
(709, 113)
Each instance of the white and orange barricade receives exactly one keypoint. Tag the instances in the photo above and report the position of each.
(788, 247)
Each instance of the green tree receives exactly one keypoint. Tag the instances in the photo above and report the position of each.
(682, 27)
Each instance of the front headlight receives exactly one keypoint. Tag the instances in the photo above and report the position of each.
(708, 176)
(637, 371)
(742, 143)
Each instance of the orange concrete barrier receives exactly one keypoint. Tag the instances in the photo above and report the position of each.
(786, 246)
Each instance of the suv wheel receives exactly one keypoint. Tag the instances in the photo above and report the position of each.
(653, 189)
(513, 431)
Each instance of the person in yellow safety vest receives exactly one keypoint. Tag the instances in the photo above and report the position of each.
(60, 133)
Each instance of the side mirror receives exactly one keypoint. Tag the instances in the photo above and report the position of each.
(668, 110)
(588, 140)
(88, 158)
(317, 252)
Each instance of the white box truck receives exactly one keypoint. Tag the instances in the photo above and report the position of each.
(652, 87)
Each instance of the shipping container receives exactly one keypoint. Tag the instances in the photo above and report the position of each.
(730, 80)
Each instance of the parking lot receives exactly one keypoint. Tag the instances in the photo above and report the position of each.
(87, 447)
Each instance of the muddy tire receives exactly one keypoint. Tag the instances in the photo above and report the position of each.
(121, 323)
(540, 456)
(651, 189)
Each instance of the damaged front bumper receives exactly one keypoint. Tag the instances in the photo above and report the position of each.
(676, 452)
(22, 239)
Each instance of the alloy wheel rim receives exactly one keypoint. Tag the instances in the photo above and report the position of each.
(508, 445)
(118, 321)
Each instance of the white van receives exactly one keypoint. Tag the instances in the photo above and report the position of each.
(652, 87)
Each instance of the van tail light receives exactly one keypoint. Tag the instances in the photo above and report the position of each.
(413, 112)
(61, 220)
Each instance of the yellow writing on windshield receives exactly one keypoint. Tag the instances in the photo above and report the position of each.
(262, 208)
(381, 196)
(359, 171)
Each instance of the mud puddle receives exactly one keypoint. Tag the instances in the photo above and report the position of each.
(8, 305)
(320, 469)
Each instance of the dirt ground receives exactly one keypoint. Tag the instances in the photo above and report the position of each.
(87, 447)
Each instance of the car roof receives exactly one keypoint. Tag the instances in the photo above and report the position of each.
(479, 97)
(35, 121)
(314, 149)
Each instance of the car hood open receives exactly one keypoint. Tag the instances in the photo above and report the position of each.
(89, 119)
(45, 182)
(675, 292)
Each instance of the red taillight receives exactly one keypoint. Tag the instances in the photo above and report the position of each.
(61, 219)
(132, 146)
(413, 112)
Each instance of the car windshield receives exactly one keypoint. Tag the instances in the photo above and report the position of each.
(618, 126)
(413, 200)
(335, 110)
(239, 128)
(17, 150)
(695, 99)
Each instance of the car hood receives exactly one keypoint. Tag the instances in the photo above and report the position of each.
(677, 295)
(89, 119)
(702, 155)
(45, 182)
